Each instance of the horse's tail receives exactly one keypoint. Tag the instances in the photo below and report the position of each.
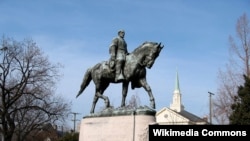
(86, 80)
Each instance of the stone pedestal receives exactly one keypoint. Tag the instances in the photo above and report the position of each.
(117, 125)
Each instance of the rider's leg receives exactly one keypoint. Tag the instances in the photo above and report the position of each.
(119, 75)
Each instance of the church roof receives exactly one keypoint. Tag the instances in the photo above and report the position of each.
(191, 117)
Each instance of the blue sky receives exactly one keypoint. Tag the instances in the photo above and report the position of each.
(77, 34)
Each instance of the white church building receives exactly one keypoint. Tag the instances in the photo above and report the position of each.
(175, 114)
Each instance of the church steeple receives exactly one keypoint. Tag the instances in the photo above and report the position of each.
(177, 86)
(176, 104)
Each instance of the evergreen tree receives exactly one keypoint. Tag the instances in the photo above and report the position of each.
(241, 105)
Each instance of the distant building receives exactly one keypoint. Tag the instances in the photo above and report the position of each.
(175, 114)
(46, 132)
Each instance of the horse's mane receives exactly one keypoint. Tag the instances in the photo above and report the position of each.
(143, 46)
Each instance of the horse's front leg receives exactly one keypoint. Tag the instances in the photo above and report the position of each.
(145, 85)
(124, 93)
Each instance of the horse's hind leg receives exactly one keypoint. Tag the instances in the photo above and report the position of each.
(105, 98)
(96, 97)
(94, 103)
(100, 88)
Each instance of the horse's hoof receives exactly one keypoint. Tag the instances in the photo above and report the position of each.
(153, 106)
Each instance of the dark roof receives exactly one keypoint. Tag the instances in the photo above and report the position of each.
(190, 116)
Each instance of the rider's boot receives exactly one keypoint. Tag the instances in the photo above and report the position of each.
(118, 76)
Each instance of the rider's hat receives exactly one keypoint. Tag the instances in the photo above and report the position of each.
(121, 31)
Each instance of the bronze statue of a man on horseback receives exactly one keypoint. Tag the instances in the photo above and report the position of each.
(122, 67)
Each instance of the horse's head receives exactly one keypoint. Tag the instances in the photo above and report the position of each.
(151, 51)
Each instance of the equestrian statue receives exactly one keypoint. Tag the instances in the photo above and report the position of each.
(133, 70)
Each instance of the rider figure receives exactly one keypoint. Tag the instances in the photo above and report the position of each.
(118, 51)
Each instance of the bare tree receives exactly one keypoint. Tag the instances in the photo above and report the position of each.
(134, 102)
(232, 76)
(27, 84)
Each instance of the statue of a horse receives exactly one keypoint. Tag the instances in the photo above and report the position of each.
(134, 71)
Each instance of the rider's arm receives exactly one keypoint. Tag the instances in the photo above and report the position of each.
(113, 48)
